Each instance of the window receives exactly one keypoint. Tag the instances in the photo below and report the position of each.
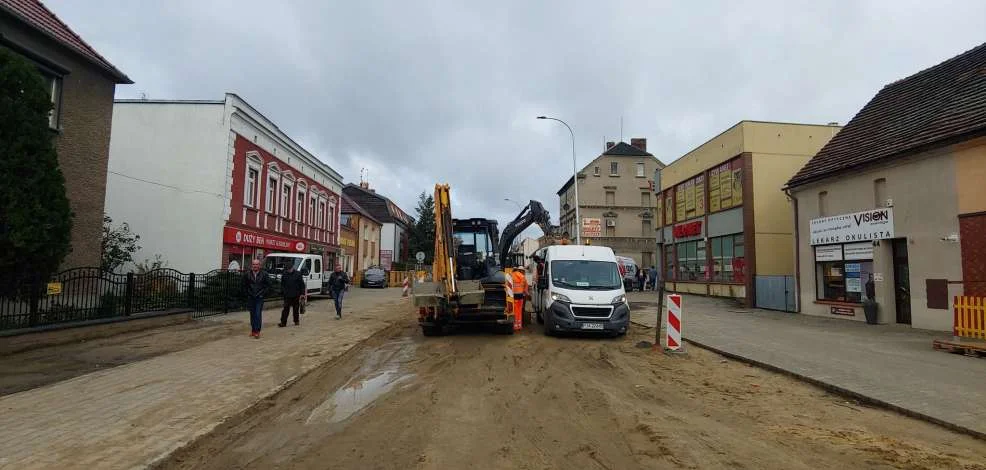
(614, 168)
(330, 220)
(311, 211)
(318, 265)
(610, 228)
(669, 262)
(286, 202)
(844, 273)
(53, 84)
(272, 194)
(610, 198)
(728, 258)
(691, 261)
(645, 229)
(299, 203)
(640, 170)
(344, 219)
(250, 197)
(645, 199)
(690, 198)
(880, 192)
(307, 267)
(595, 171)
(321, 214)
(823, 203)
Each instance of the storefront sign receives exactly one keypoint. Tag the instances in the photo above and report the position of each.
(856, 251)
(238, 236)
(690, 229)
(592, 227)
(847, 311)
(828, 253)
(876, 224)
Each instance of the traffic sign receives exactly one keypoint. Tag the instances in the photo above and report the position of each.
(420, 256)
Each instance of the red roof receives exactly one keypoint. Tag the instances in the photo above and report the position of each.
(38, 16)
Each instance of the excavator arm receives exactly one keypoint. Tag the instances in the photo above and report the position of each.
(534, 213)
(443, 269)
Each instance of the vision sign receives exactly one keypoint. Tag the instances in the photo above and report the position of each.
(237, 236)
(876, 224)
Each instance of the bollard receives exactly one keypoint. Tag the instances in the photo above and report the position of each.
(404, 292)
(673, 337)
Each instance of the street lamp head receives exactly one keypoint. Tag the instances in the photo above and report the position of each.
(542, 117)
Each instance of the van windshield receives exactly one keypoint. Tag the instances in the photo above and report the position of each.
(585, 275)
(276, 264)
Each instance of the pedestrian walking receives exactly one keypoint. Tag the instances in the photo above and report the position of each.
(641, 279)
(292, 288)
(256, 283)
(652, 272)
(339, 283)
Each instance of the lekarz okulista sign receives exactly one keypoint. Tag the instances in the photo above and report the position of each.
(245, 237)
(875, 224)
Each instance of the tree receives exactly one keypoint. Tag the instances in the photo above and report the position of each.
(35, 217)
(423, 233)
(119, 245)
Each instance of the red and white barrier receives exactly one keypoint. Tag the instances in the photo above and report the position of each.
(404, 292)
(673, 339)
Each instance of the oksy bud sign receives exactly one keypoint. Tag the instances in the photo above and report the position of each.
(875, 224)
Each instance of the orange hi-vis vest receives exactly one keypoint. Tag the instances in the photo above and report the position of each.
(520, 282)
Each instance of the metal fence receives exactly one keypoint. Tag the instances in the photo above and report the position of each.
(86, 294)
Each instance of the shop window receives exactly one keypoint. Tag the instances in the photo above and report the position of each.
(692, 264)
(728, 258)
(880, 192)
(610, 198)
(844, 273)
(640, 170)
(669, 262)
(614, 168)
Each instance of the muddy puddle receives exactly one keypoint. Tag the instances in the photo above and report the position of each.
(381, 373)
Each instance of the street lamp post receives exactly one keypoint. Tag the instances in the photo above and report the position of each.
(575, 181)
(513, 201)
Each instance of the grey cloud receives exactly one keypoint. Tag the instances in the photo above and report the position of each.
(426, 92)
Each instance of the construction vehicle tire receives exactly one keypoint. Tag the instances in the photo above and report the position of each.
(431, 330)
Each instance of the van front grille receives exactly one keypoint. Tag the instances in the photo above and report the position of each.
(594, 312)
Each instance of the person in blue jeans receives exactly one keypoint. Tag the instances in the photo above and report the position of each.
(339, 283)
(256, 283)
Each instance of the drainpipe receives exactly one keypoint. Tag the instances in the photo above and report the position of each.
(797, 253)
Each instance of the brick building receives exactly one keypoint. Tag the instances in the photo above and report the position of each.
(82, 84)
(207, 183)
(893, 208)
(366, 246)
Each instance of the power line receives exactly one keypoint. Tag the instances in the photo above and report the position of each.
(155, 183)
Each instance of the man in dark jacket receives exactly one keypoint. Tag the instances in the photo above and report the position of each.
(256, 283)
(292, 288)
(339, 284)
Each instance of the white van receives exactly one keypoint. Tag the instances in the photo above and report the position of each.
(310, 267)
(579, 288)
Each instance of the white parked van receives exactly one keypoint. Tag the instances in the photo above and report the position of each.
(579, 288)
(310, 266)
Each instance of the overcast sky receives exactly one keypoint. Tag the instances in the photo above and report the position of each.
(434, 91)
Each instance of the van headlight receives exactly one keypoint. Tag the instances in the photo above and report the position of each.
(560, 297)
(620, 299)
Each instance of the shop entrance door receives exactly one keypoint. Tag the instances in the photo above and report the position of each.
(902, 285)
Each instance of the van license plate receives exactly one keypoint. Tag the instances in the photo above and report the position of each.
(592, 326)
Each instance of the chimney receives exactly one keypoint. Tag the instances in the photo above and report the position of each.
(639, 142)
(610, 145)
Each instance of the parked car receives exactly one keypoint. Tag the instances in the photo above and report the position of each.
(374, 276)
(628, 269)
(309, 265)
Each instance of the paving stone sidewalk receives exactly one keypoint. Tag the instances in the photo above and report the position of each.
(888, 363)
(133, 415)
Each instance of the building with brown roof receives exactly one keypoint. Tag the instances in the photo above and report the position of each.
(82, 84)
(893, 208)
(396, 224)
(367, 230)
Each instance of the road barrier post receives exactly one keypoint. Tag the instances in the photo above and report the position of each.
(673, 337)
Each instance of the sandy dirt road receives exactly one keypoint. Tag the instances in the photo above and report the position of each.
(480, 401)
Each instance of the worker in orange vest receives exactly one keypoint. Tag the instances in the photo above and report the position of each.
(521, 290)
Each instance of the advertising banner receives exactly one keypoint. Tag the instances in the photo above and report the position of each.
(272, 243)
(874, 224)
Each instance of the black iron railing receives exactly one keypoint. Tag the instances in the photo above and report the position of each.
(86, 294)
